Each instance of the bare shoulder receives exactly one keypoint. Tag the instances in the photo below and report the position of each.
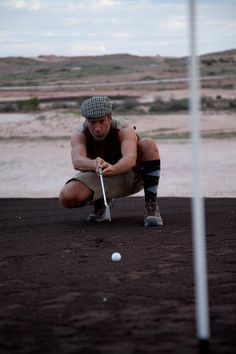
(127, 132)
(77, 137)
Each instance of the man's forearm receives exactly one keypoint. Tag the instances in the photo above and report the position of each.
(84, 164)
(122, 166)
(125, 164)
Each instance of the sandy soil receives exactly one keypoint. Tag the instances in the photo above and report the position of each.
(35, 153)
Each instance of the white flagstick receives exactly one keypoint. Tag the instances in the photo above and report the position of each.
(199, 249)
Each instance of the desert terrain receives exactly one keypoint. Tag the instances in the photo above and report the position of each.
(39, 104)
(35, 153)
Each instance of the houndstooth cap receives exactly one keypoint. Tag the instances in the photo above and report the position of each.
(96, 107)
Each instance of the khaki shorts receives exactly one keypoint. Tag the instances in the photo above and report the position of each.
(115, 187)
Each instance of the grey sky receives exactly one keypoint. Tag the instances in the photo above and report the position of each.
(97, 27)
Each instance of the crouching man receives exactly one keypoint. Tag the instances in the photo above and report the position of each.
(129, 164)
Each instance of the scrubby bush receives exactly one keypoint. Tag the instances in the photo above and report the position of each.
(232, 103)
(209, 61)
(30, 105)
(8, 107)
(173, 105)
(217, 103)
(207, 102)
(130, 103)
(127, 105)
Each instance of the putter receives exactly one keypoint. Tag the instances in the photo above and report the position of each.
(107, 208)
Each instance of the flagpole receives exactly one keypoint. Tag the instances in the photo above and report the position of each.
(198, 221)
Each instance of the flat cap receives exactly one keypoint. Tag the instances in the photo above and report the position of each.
(96, 107)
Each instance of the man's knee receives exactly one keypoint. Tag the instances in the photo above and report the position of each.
(148, 150)
(67, 200)
(74, 194)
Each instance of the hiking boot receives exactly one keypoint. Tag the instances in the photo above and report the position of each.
(98, 213)
(152, 216)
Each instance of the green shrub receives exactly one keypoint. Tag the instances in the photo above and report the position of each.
(30, 105)
(33, 103)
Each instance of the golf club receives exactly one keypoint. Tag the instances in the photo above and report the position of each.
(107, 208)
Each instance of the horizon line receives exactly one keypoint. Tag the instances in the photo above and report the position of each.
(112, 54)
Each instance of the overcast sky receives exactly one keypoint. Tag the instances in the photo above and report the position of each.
(97, 27)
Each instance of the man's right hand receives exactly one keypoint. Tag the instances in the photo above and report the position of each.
(99, 162)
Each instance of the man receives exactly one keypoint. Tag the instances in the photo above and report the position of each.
(129, 164)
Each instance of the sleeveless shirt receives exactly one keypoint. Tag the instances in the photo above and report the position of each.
(108, 149)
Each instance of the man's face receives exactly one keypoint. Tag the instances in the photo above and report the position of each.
(99, 128)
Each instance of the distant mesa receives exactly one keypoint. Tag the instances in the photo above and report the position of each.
(51, 58)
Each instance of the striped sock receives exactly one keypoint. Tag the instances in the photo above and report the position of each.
(150, 171)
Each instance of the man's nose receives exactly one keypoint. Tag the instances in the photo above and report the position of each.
(97, 126)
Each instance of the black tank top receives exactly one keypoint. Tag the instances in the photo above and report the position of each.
(108, 149)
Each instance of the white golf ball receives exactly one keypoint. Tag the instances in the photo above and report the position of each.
(116, 257)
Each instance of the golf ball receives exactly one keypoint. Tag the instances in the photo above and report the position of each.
(116, 257)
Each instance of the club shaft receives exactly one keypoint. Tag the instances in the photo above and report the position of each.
(103, 189)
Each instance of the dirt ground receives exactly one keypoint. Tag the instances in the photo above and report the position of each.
(61, 293)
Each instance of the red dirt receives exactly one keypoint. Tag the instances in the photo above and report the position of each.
(61, 293)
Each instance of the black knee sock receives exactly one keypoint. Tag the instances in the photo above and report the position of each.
(150, 171)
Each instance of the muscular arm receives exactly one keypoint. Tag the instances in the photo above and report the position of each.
(128, 140)
(79, 153)
(82, 162)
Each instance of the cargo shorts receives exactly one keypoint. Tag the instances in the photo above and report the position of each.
(117, 186)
